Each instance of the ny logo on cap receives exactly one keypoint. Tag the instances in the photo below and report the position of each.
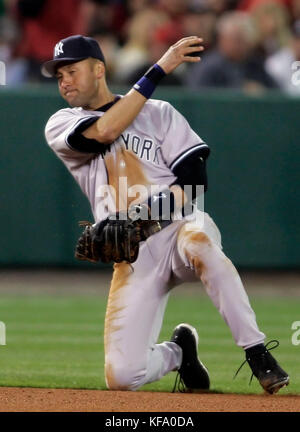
(58, 49)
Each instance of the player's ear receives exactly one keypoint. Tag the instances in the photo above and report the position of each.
(99, 69)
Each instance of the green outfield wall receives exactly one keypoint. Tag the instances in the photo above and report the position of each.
(253, 177)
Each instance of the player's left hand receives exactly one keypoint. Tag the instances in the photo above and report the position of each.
(115, 239)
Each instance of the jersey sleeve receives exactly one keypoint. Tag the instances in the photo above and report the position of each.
(179, 140)
(63, 134)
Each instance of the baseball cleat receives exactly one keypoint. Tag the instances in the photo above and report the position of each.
(265, 368)
(193, 374)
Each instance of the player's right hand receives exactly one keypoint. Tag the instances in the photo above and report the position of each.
(182, 51)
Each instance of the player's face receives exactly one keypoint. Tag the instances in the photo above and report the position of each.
(78, 83)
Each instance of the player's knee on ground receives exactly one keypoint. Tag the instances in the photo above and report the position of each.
(123, 377)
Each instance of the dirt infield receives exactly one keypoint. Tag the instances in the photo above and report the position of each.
(58, 400)
(60, 282)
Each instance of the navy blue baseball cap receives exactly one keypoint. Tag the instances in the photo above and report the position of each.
(70, 50)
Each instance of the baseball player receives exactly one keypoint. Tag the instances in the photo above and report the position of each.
(132, 156)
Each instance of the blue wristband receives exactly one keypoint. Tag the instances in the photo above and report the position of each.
(147, 84)
(155, 73)
(145, 87)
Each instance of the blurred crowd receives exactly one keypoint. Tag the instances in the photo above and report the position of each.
(249, 44)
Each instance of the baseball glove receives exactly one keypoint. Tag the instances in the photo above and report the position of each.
(116, 238)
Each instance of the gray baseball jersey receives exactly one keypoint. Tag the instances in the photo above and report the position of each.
(143, 156)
